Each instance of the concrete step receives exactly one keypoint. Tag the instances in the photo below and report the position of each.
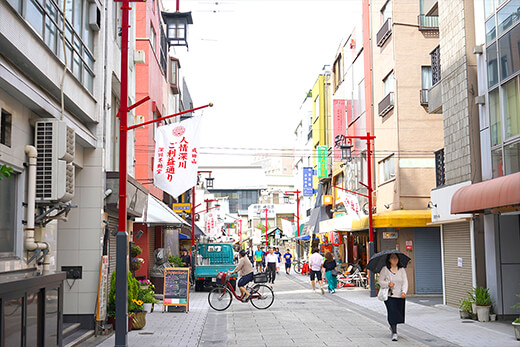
(69, 328)
(77, 337)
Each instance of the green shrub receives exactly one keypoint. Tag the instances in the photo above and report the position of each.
(135, 251)
(133, 293)
(465, 305)
(482, 297)
(175, 261)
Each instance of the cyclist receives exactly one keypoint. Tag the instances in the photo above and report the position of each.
(246, 274)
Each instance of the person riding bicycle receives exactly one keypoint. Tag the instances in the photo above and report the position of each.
(246, 274)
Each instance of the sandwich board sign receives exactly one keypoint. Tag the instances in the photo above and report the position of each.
(176, 287)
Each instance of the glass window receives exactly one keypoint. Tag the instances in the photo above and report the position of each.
(426, 75)
(512, 154)
(509, 51)
(511, 108)
(491, 30)
(6, 120)
(7, 216)
(489, 7)
(497, 163)
(16, 4)
(508, 15)
(34, 15)
(386, 170)
(388, 83)
(386, 12)
(494, 118)
(492, 65)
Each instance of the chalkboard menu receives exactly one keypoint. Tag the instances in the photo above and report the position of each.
(176, 287)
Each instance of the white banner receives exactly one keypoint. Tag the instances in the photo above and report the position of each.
(351, 204)
(176, 156)
(210, 224)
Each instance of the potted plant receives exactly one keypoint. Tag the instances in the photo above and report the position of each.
(135, 251)
(483, 301)
(111, 307)
(516, 322)
(136, 263)
(175, 261)
(465, 309)
(471, 298)
(492, 314)
(147, 295)
(135, 304)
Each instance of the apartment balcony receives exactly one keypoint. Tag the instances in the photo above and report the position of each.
(434, 96)
(384, 32)
(440, 177)
(424, 97)
(386, 105)
(428, 23)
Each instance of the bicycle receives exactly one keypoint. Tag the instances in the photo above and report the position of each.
(220, 298)
(301, 266)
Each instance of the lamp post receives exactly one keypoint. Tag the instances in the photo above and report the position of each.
(265, 209)
(346, 149)
(297, 192)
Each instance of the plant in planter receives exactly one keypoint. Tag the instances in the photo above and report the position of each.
(516, 322)
(146, 295)
(136, 263)
(175, 261)
(135, 251)
(111, 307)
(465, 309)
(483, 301)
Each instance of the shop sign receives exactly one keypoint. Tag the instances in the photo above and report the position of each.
(307, 182)
(323, 167)
(101, 308)
(327, 199)
(335, 238)
(409, 245)
(389, 235)
(459, 262)
(258, 211)
(182, 207)
(339, 126)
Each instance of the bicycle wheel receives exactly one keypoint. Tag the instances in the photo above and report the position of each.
(220, 298)
(298, 267)
(262, 296)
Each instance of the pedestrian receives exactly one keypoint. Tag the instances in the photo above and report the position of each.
(185, 258)
(259, 258)
(251, 255)
(288, 257)
(330, 267)
(246, 274)
(272, 263)
(393, 277)
(316, 264)
(279, 255)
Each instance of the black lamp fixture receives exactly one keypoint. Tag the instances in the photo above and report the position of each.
(346, 152)
(286, 199)
(177, 27)
(209, 182)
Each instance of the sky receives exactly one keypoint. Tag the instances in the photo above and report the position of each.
(256, 60)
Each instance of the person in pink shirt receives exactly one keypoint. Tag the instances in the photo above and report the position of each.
(316, 263)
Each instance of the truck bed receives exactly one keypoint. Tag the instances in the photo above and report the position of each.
(212, 270)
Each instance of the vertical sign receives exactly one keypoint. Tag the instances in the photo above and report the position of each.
(101, 309)
(307, 181)
(323, 167)
(339, 124)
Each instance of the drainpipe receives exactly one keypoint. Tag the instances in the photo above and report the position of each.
(29, 242)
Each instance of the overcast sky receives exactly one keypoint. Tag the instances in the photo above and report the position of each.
(256, 60)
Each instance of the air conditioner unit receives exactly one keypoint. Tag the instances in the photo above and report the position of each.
(55, 142)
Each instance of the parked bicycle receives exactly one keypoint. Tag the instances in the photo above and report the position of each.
(301, 267)
(261, 295)
(353, 277)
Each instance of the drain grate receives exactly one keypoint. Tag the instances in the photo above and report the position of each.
(146, 333)
(296, 302)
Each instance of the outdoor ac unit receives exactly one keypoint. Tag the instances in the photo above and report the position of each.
(55, 142)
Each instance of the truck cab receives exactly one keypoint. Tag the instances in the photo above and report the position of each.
(210, 259)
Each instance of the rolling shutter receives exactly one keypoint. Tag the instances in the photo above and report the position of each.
(427, 254)
(457, 244)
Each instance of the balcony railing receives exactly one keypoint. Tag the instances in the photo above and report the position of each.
(439, 168)
(384, 32)
(435, 56)
(427, 23)
(386, 105)
(424, 97)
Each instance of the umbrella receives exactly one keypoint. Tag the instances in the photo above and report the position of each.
(378, 261)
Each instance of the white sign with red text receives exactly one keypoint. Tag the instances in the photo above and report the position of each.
(351, 204)
(176, 158)
(211, 225)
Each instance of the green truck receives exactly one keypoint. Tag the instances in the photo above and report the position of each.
(210, 259)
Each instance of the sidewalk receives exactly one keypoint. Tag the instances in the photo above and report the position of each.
(439, 320)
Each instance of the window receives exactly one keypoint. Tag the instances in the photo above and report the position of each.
(491, 30)
(508, 16)
(511, 108)
(386, 170)
(489, 7)
(509, 50)
(337, 71)
(8, 216)
(512, 158)
(388, 84)
(426, 83)
(152, 37)
(492, 65)
(497, 163)
(114, 141)
(5, 128)
(495, 126)
(386, 12)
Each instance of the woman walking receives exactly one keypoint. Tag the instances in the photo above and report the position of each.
(393, 277)
(329, 265)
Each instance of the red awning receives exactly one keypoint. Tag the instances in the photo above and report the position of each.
(499, 192)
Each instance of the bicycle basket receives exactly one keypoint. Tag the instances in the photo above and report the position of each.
(260, 277)
(222, 278)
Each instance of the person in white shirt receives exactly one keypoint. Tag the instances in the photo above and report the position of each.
(271, 260)
(393, 277)
(316, 263)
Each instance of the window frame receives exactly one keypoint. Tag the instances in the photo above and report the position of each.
(382, 170)
(6, 128)
(14, 178)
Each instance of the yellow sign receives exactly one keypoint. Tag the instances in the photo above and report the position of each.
(182, 207)
(327, 199)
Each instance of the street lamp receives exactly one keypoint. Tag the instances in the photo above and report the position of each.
(346, 152)
(285, 199)
(209, 182)
(177, 27)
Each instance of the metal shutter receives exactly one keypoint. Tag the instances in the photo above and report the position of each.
(457, 244)
(151, 249)
(427, 254)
